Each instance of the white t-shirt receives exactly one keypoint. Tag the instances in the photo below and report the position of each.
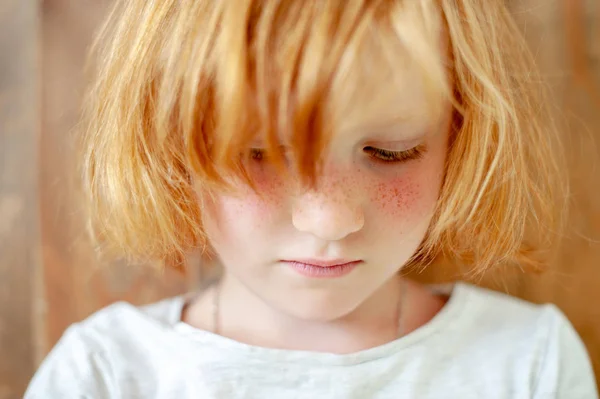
(482, 344)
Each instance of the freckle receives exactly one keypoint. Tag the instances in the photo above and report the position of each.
(394, 196)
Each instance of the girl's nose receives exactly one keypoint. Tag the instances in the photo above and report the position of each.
(329, 213)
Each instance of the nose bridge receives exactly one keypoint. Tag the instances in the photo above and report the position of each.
(331, 210)
(334, 180)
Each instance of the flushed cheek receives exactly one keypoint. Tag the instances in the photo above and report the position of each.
(400, 197)
(230, 222)
(256, 207)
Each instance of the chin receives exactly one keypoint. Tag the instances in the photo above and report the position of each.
(320, 310)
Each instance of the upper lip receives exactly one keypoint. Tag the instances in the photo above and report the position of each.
(323, 262)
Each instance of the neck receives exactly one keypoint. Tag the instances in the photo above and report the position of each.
(245, 317)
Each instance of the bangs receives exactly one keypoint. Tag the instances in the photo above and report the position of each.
(184, 88)
(292, 74)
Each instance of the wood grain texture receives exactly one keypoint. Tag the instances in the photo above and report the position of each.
(19, 235)
(563, 35)
(76, 283)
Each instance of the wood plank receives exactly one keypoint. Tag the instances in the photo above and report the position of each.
(561, 34)
(76, 283)
(75, 288)
(19, 235)
(572, 279)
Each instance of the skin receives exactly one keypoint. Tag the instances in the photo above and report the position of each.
(362, 209)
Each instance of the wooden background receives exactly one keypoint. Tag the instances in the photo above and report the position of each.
(49, 277)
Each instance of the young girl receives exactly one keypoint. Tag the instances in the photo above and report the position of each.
(317, 149)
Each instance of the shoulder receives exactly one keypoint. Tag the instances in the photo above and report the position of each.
(532, 340)
(86, 359)
(123, 326)
(490, 309)
(160, 314)
(492, 317)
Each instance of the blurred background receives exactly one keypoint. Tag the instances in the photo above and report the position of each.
(49, 275)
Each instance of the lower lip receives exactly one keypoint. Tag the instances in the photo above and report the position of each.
(322, 271)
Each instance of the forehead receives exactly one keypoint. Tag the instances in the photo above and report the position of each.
(399, 103)
(308, 81)
(385, 84)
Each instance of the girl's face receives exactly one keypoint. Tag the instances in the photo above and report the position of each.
(372, 207)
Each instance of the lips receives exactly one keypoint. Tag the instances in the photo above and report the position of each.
(316, 268)
(323, 263)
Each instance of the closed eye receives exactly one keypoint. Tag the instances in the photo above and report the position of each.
(257, 154)
(387, 156)
(378, 154)
(263, 155)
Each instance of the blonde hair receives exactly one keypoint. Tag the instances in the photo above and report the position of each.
(181, 86)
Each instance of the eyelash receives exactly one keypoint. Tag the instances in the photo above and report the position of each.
(389, 157)
(378, 154)
(257, 154)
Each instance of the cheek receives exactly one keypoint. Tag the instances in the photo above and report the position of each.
(230, 221)
(411, 196)
(397, 197)
(250, 209)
